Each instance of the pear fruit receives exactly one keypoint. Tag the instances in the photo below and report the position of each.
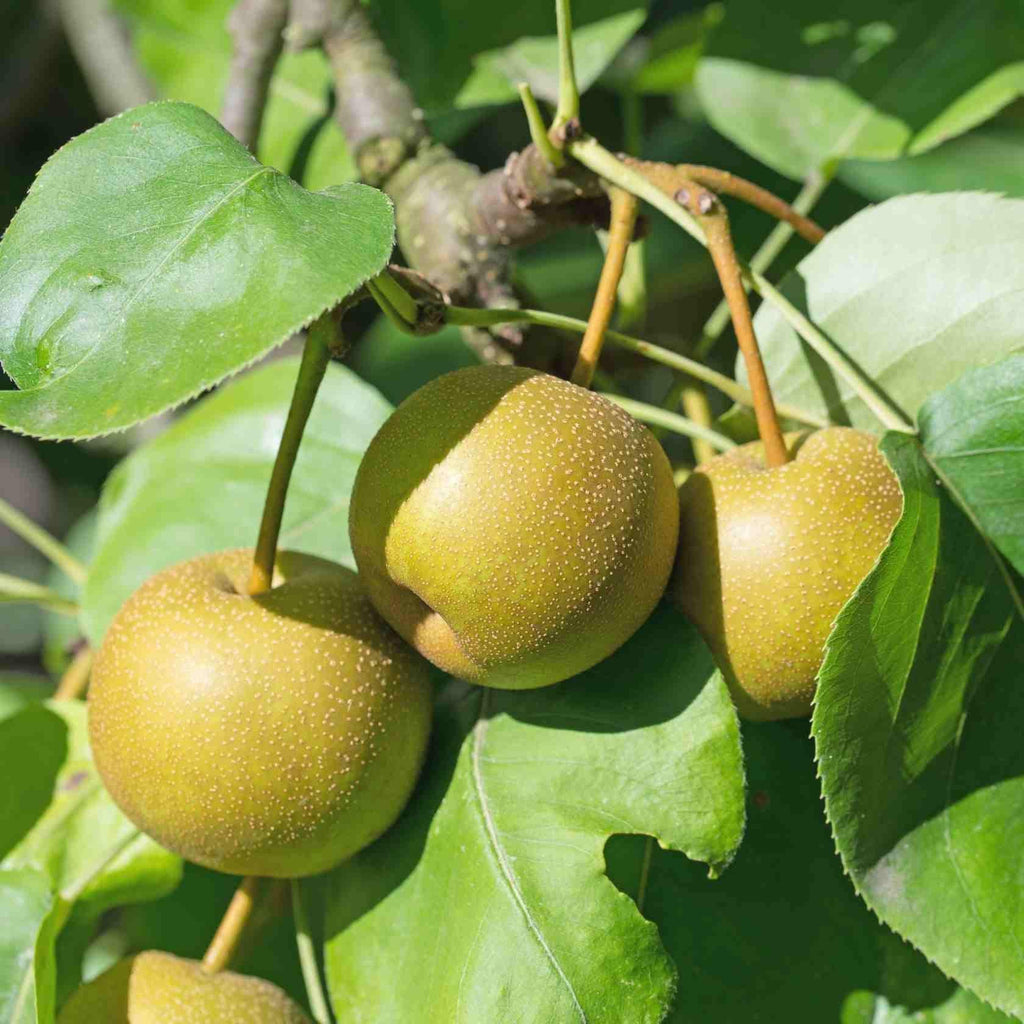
(270, 735)
(158, 988)
(768, 557)
(513, 527)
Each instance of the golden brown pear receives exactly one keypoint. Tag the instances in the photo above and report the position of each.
(768, 557)
(157, 988)
(271, 735)
(515, 528)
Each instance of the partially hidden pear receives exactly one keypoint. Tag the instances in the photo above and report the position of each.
(768, 557)
(513, 527)
(158, 988)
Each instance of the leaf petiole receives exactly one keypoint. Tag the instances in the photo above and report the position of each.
(42, 541)
(15, 590)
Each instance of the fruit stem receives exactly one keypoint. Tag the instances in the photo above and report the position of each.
(732, 185)
(538, 130)
(568, 92)
(770, 248)
(307, 957)
(15, 590)
(42, 541)
(73, 682)
(654, 414)
(696, 406)
(620, 234)
(229, 932)
(393, 298)
(465, 315)
(315, 357)
(592, 154)
(723, 254)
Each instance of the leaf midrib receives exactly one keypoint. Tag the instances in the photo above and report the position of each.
(512, 884)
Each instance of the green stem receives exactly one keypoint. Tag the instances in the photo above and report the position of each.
(466, 316)
(385, 287)
(811, 192)
(42, 541)
(307, 957)
(592, 154)
(672, 421)
(15, 590)
(568, 91)
(538, 130)
(315, 357)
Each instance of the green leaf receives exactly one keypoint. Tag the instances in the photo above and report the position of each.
(534, 60)
(799, 85)
(781, 936)
(989, 158)
(497, 862)
(917, 726)
(185, 49)
(67, 826)
(915, 291)
(200, 486)
(457, 54)
(973, 433)
(29, 911)
(20, 689)
(153, 257)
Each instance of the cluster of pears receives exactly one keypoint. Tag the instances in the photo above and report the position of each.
(514, 529)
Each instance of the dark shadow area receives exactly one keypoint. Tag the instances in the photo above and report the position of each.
(781, 935)
(654, 677)
(910, 61)
(34, 746)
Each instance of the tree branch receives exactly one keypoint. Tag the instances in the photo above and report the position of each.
(101, 46)
(257, 31)
(456, 225)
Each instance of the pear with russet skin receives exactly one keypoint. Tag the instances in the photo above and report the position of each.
(269, 735)
(158, 988)
(513, 527)
(768, 557)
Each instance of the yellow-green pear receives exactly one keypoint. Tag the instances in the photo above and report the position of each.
(513, 527)
(269, 735)
(768, 557)
(158, 988)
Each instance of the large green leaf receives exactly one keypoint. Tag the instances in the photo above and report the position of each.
(68, 852)
(781, 936)
(973, 432)
(153, 257)
(488, 901)
(989, 158)
(69, 827)
(458, 54)
(799, 85)
(200, 486)
(915, 291)
(917, 724)
(185, 48)
(20, 689)
(29, 913)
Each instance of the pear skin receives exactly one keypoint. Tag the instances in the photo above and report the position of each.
(513, 527)
(271, 735)
(768, 557)
(158, 988)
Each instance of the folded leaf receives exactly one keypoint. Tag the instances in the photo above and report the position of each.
(917, 726)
